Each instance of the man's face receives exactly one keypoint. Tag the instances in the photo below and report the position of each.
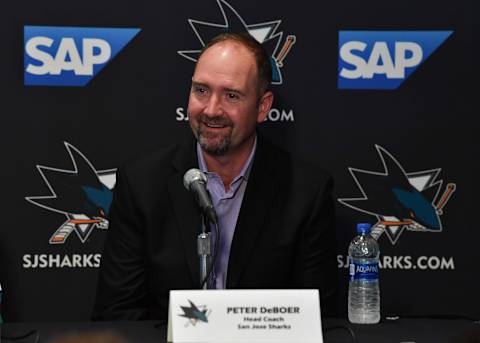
(224, 104)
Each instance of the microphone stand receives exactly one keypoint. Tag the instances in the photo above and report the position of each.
(204, 249)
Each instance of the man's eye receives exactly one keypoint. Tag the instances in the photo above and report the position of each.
(232, 96)
(200, 90)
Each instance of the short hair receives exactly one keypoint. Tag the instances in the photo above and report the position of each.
(262, 59)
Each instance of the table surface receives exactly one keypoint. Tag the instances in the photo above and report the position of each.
(335, 331)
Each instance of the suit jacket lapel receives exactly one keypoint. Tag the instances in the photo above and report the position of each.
(254, 210)
(184, 206)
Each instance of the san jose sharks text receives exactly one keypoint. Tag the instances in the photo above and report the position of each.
(408, 262)
(46, 261)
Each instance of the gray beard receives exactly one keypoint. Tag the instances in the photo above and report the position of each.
(218, 149)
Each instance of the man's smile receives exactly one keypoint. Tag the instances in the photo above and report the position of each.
(214, 126)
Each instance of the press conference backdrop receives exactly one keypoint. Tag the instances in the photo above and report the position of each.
(379, 93)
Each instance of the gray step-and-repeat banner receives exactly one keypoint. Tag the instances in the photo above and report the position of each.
(379, 93)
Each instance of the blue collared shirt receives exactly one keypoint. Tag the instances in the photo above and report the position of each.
(227, 205)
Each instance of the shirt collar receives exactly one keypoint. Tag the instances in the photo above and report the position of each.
(244, 172)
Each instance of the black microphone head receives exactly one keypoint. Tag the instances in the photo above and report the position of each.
(193, 175)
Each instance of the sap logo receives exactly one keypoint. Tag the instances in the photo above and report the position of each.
(380, 61)
(67, 56)
(70, 56)
(383, 59)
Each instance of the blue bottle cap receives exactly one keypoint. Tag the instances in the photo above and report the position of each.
(364, 227)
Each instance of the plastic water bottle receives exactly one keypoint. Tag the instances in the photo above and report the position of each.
(363, 290)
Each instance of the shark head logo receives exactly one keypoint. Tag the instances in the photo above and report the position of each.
(83, 195)
(399, 200)
(195, 314)
(265, 33)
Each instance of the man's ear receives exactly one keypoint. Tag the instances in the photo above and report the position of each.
(264, 106)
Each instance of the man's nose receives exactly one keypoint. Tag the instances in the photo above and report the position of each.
(213, 106)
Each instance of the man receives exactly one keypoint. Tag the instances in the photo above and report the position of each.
(275, 213)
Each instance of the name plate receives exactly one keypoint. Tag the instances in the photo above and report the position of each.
(245, 316)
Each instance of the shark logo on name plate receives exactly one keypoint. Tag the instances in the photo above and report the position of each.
(195, 314)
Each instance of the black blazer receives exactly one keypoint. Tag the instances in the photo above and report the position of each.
(284, 237)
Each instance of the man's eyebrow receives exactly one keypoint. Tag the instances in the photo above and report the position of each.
(195, 83)
(226, 89)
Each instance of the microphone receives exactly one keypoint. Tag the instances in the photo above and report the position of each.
(196, 182)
